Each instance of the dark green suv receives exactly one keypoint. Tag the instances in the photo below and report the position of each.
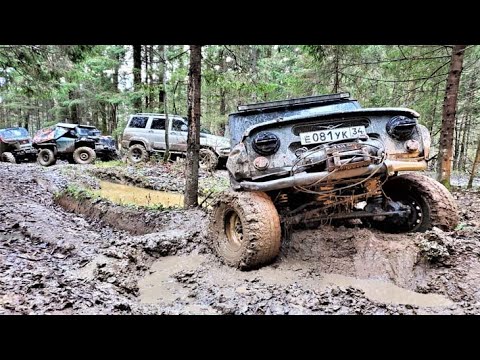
(16, 145)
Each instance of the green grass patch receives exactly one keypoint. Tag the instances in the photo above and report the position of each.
(213, 184)
(111, 163)
(78, 193)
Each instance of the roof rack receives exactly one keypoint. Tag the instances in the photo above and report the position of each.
(157, 114)
(297, 101)
(148, 114)
(73, 126)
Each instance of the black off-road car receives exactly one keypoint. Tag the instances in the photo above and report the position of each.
(16, 145)
(80, 144)
(313, 160)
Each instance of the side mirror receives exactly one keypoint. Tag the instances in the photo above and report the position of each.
(184, 127)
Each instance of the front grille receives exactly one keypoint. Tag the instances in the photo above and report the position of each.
(294, 146)
(326, 124)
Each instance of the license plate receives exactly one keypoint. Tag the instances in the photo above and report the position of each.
(322, 136)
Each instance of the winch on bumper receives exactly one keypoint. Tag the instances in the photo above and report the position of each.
(27, 151)
(340, 161)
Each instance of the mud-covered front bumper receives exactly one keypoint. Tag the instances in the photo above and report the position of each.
(305, 179)
(29, 152)
(104, 151)
(104, 148)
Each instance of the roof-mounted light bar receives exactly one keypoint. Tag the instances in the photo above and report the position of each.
(293, 102)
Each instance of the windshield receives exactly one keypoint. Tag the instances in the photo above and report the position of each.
(10, 134)
(88, 131)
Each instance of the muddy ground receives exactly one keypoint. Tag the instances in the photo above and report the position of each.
(102, 258)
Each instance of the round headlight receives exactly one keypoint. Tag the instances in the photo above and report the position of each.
(401, 127)
(266, 143)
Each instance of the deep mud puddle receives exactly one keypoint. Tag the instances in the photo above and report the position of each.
(160, 285)
(128, 194)
(384, 292)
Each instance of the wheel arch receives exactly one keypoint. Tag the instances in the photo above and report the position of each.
(140, 141)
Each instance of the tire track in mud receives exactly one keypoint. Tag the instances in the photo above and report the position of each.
(55, 261)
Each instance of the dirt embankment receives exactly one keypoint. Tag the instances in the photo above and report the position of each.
(134, 221)
(170, 177)
(54, 261)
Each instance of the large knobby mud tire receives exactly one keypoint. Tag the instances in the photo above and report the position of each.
(46, 157)
(208, 160)
(137, 154)
(84, 155)
(245, 229)
(8, 157)
(431, 204)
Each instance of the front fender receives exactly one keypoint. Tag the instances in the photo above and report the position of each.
(140, 139)
(237, 162)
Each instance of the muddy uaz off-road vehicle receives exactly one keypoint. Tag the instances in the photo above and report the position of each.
(80, 144)
(314, 160)
(16, 145)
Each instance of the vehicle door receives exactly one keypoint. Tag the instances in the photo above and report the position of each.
(137, 129)
(178, 135)
(66, 142)
(156, 133)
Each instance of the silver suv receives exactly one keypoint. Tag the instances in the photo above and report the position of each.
(145, 135)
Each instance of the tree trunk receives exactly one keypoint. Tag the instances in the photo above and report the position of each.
(26, 120)
(461, 154)
(137, 75)
(193, 140)
(38, 117)
(336, 84)
(174, 106)
(434, 111)
(104, 122)
(461, 139)
(161, 67)
(104, 117)
(460, 129)
(19, 119)
(255, 55)
(113, 119)
(448, 115)
(475, 165)
(166, 156)
(223, 69)
(223, 104)
(150, 77)
(147, 66)
(73, 109)
(464, 158)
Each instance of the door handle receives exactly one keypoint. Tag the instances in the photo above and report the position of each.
(150, 131)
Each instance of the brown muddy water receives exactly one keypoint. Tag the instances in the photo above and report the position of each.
(132, 195)
(159, 285)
